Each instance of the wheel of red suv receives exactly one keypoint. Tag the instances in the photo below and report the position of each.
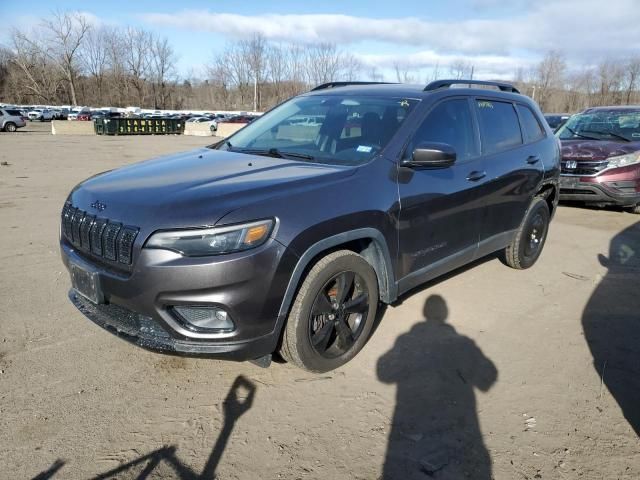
(333, 313)
(635, 209)
(9, 127)
(529, 239)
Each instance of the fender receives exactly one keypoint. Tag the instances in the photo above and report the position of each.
(383, 267)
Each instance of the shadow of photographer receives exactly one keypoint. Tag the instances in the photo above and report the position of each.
(238, 401)
(611, 323)
(435, 427)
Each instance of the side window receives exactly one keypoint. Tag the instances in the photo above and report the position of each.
(449, 122)
(499, 126)
(530, 126)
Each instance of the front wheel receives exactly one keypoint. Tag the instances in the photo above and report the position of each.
(333, 313)
(529, 239)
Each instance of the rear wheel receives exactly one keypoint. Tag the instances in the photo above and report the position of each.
(635, 209)
(333, 313)
(530, 238)
(9, 127)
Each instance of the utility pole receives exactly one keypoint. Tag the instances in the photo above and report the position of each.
(255, 93)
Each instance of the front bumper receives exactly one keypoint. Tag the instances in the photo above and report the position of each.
(613, 188)
(137, 305)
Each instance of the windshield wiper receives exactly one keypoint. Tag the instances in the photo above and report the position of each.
(274, 152)
(576, 134)
(609, 133)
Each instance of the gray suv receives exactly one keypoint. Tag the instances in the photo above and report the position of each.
(11, 120)
(287, 236)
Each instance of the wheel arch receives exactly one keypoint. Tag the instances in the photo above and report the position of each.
(549, 191)
(368, 242)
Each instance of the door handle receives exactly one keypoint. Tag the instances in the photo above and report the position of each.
(533, 159)
(476, 175)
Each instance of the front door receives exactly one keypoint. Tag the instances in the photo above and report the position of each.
(440, 209)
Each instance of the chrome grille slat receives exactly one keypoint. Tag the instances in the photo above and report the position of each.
(99, 237)
(584, 168)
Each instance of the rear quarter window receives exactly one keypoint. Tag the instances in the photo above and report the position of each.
(15, 113)
(531, 129)
(499, 126)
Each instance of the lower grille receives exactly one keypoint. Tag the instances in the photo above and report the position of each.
(99, 237)
(576, 191)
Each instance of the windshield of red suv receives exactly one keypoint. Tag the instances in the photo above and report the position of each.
(342, 130)
(616, 125)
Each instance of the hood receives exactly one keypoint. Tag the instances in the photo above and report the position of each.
(196, 188)
(595, 150)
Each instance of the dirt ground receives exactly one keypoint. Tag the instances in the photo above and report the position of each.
(488, 373)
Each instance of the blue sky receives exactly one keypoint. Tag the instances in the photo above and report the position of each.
(496, 36)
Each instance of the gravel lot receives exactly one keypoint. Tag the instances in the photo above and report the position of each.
(488, 373)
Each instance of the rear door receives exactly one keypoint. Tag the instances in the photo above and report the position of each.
(440, 209)
(513, 166)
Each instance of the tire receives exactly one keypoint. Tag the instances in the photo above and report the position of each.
(635, 209)
(10, 127)
(338, 334)
(530, 237)
(42, 119)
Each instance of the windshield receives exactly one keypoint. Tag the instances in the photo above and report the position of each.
(342, 130)
(620, 126)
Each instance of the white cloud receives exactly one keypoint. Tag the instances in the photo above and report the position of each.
(578, 27)
(425, 62)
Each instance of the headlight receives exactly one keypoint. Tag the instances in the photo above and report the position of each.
(213, 241)
(624, 160)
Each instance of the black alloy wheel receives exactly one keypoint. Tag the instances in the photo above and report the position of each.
(338, 314)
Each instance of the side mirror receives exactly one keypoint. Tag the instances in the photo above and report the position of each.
(431, 155)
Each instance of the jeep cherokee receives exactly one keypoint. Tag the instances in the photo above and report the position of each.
(286, 236)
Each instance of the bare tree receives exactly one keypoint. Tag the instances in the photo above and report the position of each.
(549, 75)
(162, 67)
(460, 69)
(137, 59)
(254, 52)
(95, 57)
(403, 73)
(64, 34)
(39, 79)
(323, 62)
(632, 76)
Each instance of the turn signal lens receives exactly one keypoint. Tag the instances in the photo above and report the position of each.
(256, 234)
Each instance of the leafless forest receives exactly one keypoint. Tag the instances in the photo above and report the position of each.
(66, 60)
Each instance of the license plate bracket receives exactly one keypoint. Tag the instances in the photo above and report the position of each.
(86, 283)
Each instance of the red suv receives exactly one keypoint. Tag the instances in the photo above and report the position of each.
(601, 157)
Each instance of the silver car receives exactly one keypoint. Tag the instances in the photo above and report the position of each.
(11, 120)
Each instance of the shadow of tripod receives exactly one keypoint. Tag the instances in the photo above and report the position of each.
(238, 401)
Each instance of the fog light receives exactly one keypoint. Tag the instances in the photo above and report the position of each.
(205, 318)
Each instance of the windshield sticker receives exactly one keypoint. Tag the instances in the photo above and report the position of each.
(364, 149)
(485, 104)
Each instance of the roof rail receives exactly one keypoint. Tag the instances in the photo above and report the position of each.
(504, 87)
(345, 84)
